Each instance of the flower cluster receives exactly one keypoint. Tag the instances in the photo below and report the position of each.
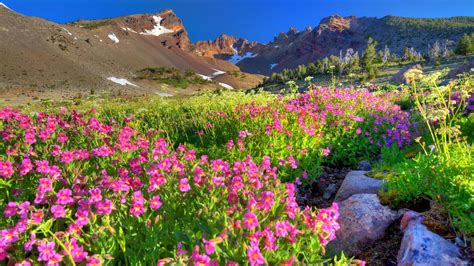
(321, 126)
(79, 190)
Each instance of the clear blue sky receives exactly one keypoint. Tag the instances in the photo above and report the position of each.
(258, 20)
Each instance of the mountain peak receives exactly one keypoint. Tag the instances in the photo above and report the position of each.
(2, 5)
(335, 23)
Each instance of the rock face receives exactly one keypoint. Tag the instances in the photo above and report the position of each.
(224, 45)
(336, 34)
(363, 220)
(408, 74)
(357, 183)
(423, 247)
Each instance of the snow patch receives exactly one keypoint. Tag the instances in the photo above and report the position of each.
(236, 58)
(158, 30)
(68, 32)
(233, 49)
(272, 66)
(218, 72)
(122, 82)
(204, 77)
(113, 38)
(128, 29)
(276, 46)
(227, 86)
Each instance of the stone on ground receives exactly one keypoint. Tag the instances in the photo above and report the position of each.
(363, 221)
(357, 183)
(422, 247)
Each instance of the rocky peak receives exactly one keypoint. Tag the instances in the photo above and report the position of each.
(224, 44)
(335, 23)
(165, 22)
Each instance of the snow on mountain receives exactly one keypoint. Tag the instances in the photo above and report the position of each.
(227, 86)
(236, 58)
(158, 30)
(113, 38)
(122, 82)
(218, 72)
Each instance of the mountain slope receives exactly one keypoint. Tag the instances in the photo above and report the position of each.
(337, 33)
(38, 54)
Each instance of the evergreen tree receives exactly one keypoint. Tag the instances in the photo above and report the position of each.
(368, 59)
(464, 45)
(312, 70)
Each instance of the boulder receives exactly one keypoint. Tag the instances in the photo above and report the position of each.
(365, 166)
(422, 247)
(329, 191)
(363, 220)
(408, 74)
(357, 183)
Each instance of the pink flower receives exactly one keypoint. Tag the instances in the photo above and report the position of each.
(254, 255)
(6, 169)
(62, 137)
(64, 196)
(280, 229)
(46, 251)
(58, 211)
(37, 216)
(78, 254)
(104, 207)
(93, 261)
(44, 185)
(10, 210)
(184, 185)
(155, 202)
(267, 200)
(54, 260)
(209, 246)
(250, 220)
(137, 209)
(358, 131)
(326, 152)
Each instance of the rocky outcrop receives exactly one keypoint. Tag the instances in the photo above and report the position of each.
(336, 33)
(335, 23)
(363, 221)
(357, 183)
(408, 74)
(420, 246)
(224, 45)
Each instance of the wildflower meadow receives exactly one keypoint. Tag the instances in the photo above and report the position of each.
(206, 183)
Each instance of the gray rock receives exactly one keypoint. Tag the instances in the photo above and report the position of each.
(365, 166)
(408, 74)
(421, 247)
(329, 191)
(363, 221)
(357, 183)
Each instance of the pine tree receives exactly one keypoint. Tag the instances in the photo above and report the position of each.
(368, 59)
(464, 45)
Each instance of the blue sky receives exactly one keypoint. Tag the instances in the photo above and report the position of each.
(258, 20)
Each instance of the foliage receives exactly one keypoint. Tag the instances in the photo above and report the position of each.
(444, 172)
(465, 45)
(172, 76)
